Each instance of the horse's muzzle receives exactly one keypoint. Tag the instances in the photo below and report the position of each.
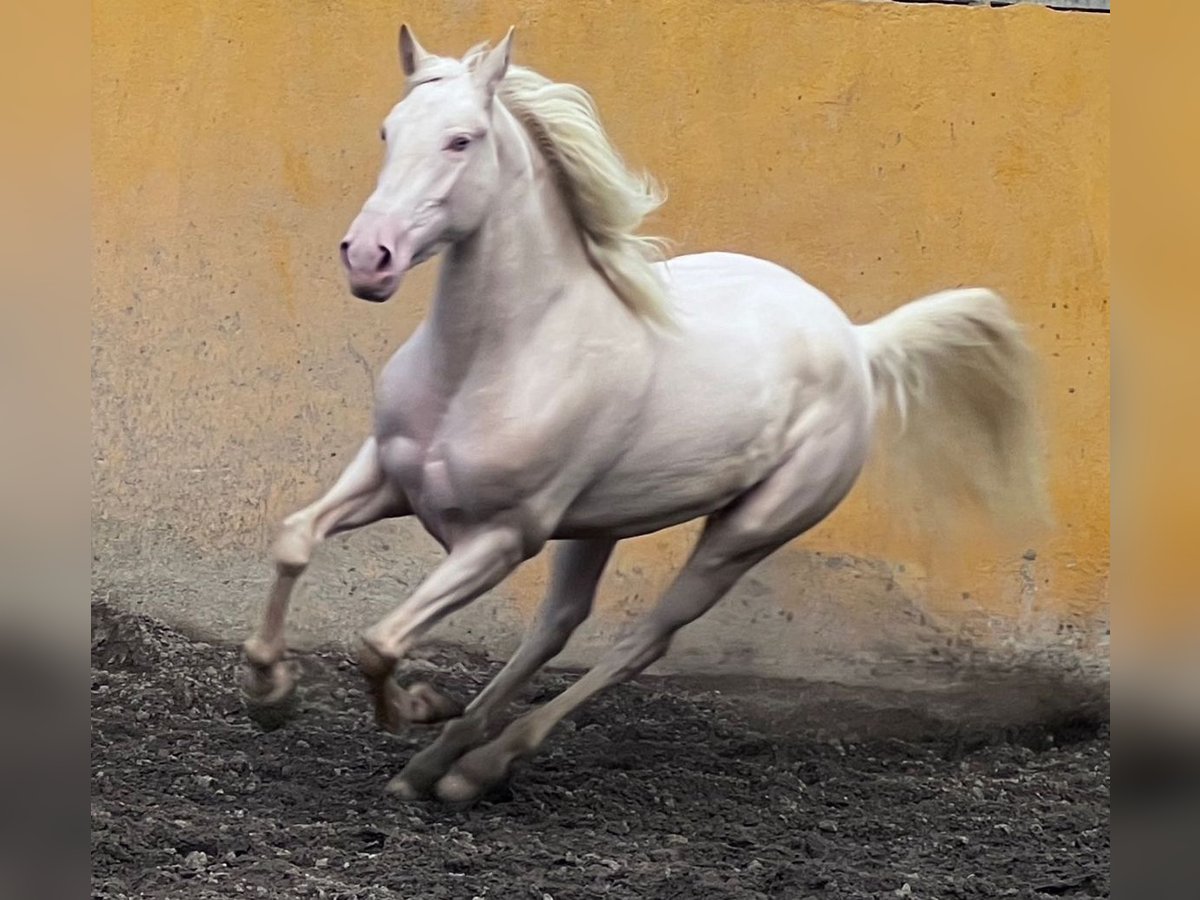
(375, 258)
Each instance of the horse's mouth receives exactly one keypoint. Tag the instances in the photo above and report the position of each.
(375, 290)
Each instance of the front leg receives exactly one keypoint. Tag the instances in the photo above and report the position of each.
(361, 495)
(477, 563)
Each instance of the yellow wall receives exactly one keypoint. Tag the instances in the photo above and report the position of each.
(881, 150)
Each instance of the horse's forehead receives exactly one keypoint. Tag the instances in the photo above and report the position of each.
(440, 67)
(450, 96)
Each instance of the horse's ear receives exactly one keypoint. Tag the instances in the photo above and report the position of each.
(412, 54)
(492, 68)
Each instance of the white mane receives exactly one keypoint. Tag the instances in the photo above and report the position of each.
(607, 200)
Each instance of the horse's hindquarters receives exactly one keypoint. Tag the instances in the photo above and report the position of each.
(762, 366)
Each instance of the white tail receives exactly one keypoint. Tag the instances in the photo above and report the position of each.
(955, 369)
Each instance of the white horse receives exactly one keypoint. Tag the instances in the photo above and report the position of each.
(568, 386)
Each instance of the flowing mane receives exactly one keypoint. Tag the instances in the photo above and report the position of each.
(608, 201)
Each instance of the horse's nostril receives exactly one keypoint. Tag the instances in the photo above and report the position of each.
(385, 257)
(344, 250)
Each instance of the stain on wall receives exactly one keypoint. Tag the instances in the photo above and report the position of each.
(883, 151)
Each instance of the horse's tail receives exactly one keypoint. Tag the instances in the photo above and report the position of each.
(955, 371)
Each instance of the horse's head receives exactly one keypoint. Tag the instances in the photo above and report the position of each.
(440, 169)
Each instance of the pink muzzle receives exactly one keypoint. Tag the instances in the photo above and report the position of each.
(376, 251)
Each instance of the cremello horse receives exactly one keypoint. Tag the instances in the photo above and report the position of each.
(567, 386)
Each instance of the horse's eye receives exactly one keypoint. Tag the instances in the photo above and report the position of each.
(459, 144)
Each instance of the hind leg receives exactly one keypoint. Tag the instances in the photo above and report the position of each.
(796, 497)
(359, 497)
(576, 574)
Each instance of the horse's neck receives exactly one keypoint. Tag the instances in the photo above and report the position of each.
(498, 283)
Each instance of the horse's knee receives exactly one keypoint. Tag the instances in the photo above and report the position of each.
(293, 548)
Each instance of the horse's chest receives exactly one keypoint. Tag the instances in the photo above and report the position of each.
(460, 472)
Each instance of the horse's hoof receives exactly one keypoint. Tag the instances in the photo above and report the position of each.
(396, 706)
(457, 789)
(269, 694)
(430, 707)
(405, 790)
(270, 718)
(476, 774)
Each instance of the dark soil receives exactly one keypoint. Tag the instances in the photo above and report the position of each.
(647, 792)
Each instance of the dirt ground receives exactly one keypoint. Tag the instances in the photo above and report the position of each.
(652, 791)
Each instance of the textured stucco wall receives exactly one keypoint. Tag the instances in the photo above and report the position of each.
(881, 150)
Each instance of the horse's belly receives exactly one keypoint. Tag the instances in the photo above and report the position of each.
(633, 507)
(688, 466)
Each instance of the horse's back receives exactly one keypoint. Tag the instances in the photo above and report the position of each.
(748, 316)
(734, 287)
